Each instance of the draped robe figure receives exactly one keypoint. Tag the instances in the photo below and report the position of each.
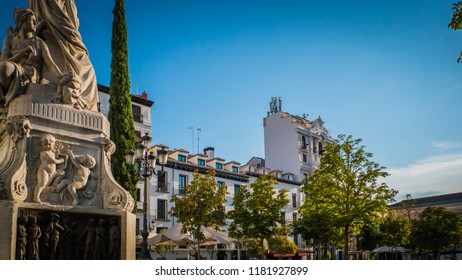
(61, 33)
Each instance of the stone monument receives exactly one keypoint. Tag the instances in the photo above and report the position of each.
(58, 198)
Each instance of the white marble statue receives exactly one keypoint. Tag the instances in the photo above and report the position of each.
(61, 33)
(23, 57)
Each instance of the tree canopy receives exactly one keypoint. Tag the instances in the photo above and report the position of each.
(456, 21)
(344, 188)
(281, 245)
(200, 205)
(257, 210)
(395, 231)
(120, 104)
(436, 229)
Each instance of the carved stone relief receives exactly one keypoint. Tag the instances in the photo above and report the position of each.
(61, 177)
(46, 235)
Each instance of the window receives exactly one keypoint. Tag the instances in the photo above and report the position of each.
(303, 142)
(218, 166)
(235, 169)
(314, 147)
(283, 218)
(137, 226)
(320, 148)
(201, 162)
(304, 158)
(162, 181)
(236, 189)
(162, 209)
(183, 181)
(137, 117)
(182, 158)
(138, 194)
(294, 200)
(294, 217)
(137, 136)
(220, 184)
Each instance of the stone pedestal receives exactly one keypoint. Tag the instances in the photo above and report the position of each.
(78, 134)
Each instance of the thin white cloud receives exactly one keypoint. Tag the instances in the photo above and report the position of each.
(447, 145)
(433, 175)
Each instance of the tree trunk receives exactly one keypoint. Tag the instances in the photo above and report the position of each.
(262, 248)
(345, 247)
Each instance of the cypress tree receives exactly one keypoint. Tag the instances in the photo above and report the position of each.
(120, 105)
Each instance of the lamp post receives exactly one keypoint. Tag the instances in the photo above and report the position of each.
(146, 162)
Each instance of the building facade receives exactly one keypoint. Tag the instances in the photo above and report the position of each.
(293, 147)
(178, 173)
(141, 109)
(293, 143)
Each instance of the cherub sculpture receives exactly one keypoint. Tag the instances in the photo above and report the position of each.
(46, 172)
(83, 167)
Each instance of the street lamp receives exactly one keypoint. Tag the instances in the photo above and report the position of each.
(146, 162)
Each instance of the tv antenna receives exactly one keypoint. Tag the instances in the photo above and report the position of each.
(198, 138)
(192, 131)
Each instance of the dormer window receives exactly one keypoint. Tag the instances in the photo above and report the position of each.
(182, 158)
(218, 166)
(235, 169)
(201, 162)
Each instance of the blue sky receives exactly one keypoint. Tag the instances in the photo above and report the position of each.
(383, 71)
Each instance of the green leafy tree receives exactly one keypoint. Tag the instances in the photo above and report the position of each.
(369, 238)
(456, 21)
(253, 248)
(120, 105)
(162, 250)
(319, 227)
(281, 245)
(201, 205)
(345, 188)
(435, 229)
(257, 210)
(395, 231)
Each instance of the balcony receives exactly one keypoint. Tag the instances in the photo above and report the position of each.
(162, 187)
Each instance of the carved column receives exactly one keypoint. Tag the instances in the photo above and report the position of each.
(13, 168)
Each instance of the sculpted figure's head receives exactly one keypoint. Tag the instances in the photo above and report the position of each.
(88, 161)
(47, 142)
(26, 19)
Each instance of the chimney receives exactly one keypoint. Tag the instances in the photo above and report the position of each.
(210, 152)
(144, 95)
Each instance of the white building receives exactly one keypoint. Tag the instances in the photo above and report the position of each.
(293, 147)
(293, 143)
(178, 173)
(141, 108)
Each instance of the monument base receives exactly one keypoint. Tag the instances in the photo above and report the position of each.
(46, 212)
(32, 231)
